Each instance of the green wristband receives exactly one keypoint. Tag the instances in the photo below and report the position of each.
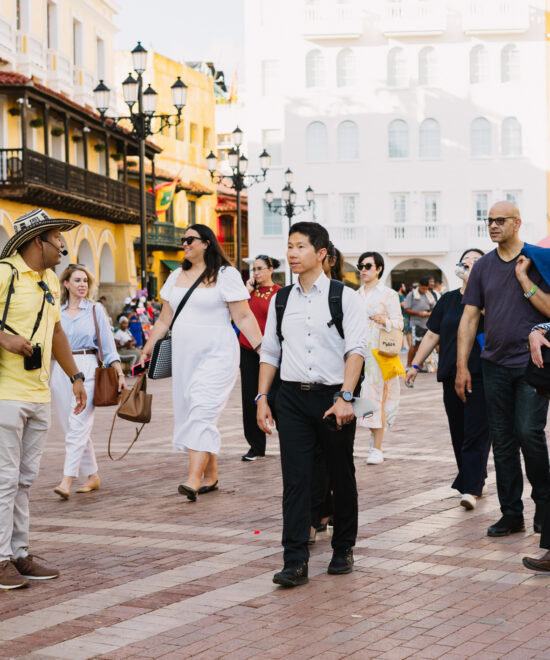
(532, 292)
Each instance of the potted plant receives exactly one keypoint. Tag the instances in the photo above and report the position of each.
(117, 156)
(37, 122)
(132, 163)
(76, 138)
(15, 111)
(99, 147)
(57, 131)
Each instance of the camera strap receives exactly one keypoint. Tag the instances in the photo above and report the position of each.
(11, 291)
(38, 318)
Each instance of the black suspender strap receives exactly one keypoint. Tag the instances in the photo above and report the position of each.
(10, 292)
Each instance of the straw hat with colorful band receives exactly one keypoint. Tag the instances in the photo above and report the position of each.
(33, 224)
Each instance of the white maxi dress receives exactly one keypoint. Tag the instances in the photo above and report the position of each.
(205, 358)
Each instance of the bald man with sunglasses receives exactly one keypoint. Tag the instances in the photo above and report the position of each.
(515, 298)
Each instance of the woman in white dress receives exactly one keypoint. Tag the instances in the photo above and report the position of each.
(205, 350)
(383, 311)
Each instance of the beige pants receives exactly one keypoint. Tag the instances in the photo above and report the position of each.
(23, 430)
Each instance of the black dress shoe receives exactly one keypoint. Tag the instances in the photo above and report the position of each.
(507, 525)
(188, 491)
(292, 576)
(208, 489)
(341, 562)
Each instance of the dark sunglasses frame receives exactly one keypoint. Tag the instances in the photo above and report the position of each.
(47, 293)
(365, 266)
(499, 221)
(77, 265)
(189, 240)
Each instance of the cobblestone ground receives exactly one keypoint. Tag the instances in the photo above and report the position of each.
(146, 574)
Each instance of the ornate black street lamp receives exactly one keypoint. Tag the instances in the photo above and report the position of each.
(240, 178)
(288, 206)
(142, 126)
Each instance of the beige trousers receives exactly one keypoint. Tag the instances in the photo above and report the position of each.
(23, 430)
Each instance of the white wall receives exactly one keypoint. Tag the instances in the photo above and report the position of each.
(453, 101)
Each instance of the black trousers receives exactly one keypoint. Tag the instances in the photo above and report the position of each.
(302, 433)
(250, 369)
(321, 490)
(470, 435)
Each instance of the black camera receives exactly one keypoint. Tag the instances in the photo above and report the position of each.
(34, 361)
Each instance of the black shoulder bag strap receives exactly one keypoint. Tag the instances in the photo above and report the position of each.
(11, 290)
(186, 298)
(281, 300)
(335, 294)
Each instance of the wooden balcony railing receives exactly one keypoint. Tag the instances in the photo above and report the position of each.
(29, 176)
(164, 236)
(230, 249)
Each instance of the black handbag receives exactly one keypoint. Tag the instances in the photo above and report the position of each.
(540, 378)
(160, 365)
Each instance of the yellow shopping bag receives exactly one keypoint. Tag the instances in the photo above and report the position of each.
(389, 366)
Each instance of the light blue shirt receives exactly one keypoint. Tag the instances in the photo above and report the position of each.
(81, 332)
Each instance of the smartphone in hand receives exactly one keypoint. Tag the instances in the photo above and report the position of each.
(137, 369)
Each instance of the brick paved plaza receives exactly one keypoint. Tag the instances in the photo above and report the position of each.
(146, 574)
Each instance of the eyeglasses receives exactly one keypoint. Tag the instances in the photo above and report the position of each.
(258, 269)
(364, 266)
(189, 239)
(499, 221)
(47, 293)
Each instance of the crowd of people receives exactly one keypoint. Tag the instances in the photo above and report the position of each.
(316, 359)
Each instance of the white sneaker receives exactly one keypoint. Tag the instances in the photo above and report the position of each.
(468, 501)
(375, 456)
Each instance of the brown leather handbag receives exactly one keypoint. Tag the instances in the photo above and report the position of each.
(135, 406)
(106, 378)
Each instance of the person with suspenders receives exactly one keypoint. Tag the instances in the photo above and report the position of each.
(315, 330)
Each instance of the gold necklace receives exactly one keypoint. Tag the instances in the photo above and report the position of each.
(265, 295)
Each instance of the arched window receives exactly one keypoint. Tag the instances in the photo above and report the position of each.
(397, 68)
(509, 64)
(479, 65)
(316, 142)
(480, 137)
(345, 68)
(430, 139)
(427, 66)
(398, 139)
(315, 69)
(348, 141)
(511, 137)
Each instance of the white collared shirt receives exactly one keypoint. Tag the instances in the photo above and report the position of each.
(313, 351)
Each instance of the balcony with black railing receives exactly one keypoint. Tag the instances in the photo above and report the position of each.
(31, 177)
(163, 236)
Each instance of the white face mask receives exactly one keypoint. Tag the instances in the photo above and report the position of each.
(460, 271)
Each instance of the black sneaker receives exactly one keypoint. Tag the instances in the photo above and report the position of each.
(292, 576)
(341, 562)
(251, 456)
(507, 525)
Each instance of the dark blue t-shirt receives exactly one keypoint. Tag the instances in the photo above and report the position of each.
(444, 321)
(509, 316)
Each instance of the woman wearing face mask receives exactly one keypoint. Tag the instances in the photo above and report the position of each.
(77, 319)
(467, 421)
(261, 288)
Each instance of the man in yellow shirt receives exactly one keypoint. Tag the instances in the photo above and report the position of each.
(30, 330)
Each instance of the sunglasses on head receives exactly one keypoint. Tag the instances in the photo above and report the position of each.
(265, 258)
(365, 266)
(189, 239)
(47, 293)
(498, 221)
(77, 265)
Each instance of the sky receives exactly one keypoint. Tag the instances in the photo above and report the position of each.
(185, 30)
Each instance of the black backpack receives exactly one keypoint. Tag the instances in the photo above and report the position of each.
(540, 378)
(335, 294)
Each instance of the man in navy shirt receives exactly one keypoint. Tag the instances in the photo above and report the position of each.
(515, 298)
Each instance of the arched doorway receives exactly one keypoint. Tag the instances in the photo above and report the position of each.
(86, 256)
(4, 237)
(412, 270)
(106, 265)
(65, 261)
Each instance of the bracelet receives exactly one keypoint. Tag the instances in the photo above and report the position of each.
(259, 397)
(414, 366)
(257, 347)
(532, 291)
(121, 374)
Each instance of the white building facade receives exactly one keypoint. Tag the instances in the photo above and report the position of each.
(409, 118)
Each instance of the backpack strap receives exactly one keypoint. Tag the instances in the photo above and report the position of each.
(335, 295)
(281, 300)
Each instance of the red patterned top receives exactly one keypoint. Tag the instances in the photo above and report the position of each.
(259, 304)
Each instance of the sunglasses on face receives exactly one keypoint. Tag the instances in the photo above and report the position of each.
(189, 239)
(498, 221)
(365, 266)
(47, 293)
(258, 269)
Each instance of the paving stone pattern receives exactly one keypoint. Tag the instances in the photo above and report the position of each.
(147, 574)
